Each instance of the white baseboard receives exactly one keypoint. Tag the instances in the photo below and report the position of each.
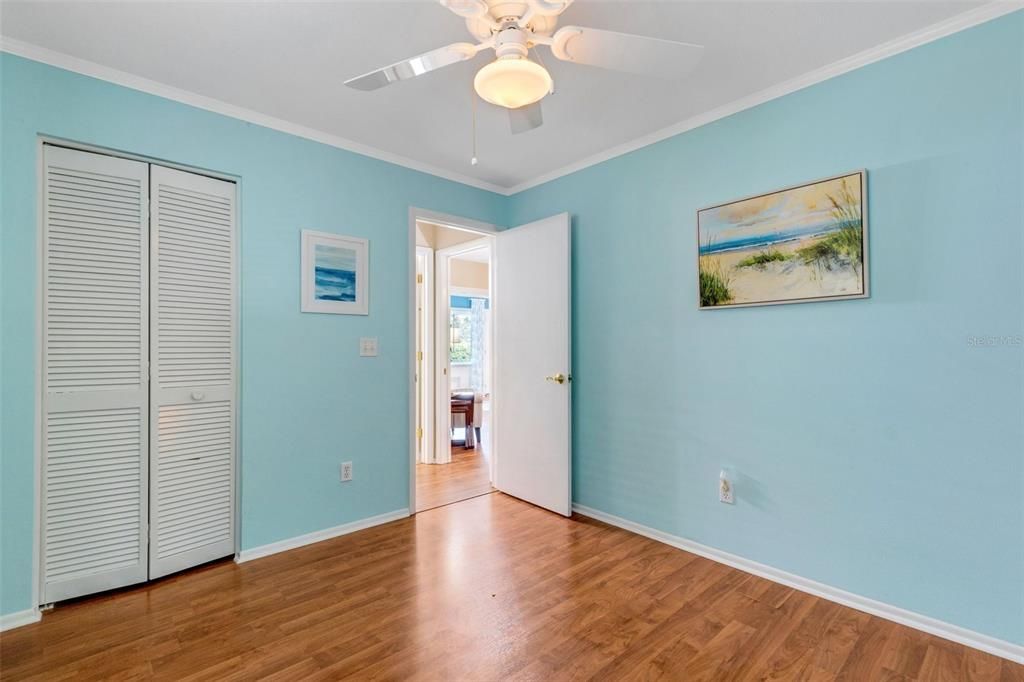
(14, 620)
(319, 536)
(9, 621)
(954, 633)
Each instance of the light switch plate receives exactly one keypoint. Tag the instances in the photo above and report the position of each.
(368, 346)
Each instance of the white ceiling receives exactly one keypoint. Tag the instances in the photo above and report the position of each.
(289, 59)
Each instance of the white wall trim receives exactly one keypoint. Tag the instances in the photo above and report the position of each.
(319, 536)
(128, 80)
(471, 292)
(954, 633)
(960, 22)
(10, 621)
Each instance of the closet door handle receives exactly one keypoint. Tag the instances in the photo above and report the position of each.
(198, 395)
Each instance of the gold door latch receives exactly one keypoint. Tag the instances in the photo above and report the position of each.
(559, 378)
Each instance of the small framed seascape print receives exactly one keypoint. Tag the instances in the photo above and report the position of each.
(334, 274)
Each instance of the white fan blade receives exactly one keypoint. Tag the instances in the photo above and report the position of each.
(625, 52)
(414, 66)
(548, 8)
(468, 9)
(525, 118)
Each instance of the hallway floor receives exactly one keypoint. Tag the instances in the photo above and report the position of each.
(467, 475)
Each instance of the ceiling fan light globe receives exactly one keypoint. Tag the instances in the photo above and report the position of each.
(513, 83)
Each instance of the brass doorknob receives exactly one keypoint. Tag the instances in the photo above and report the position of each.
(559, 378)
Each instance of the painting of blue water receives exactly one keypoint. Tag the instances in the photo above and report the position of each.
(798, 244)
(768, 239)
(335, 273)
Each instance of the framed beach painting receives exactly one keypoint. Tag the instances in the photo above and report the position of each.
(334, 274)
(795, 245)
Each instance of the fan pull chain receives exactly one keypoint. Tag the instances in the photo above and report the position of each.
(473, 161)
(544, 66)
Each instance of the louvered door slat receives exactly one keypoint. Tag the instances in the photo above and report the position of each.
(193, 354)
(95, 349)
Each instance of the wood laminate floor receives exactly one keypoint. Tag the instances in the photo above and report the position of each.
(467, 475)
(486, 589)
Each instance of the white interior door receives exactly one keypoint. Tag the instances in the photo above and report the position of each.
(442, 451)
(532, 354)
(418, 357)
(424, 361)
(95, 395)
(192, 481)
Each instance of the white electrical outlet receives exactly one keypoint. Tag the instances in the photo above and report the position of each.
(726, 492)
(346, 471)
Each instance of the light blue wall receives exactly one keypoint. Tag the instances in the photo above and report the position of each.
(877, 449)
(308, 400)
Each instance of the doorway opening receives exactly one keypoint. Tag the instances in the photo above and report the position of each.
(515, 341)
(453, 361)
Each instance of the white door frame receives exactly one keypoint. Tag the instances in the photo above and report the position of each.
(425, 368)
(41, 142)
(442, 361)
(456, 223)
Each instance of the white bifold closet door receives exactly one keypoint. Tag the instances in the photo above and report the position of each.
(95, 396)
(192, 427)
(138, 371)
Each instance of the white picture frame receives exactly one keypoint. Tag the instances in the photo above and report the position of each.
(341, 286)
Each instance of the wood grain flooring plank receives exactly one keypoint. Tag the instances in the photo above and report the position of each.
(490, 588)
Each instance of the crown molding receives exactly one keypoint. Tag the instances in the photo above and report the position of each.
(987, 12)
(128, 80)
(955, 24)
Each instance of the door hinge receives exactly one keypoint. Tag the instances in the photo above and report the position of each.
(419, 279)
(419, 356)
(419, 433)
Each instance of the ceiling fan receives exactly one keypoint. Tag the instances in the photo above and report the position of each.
(515, 81)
